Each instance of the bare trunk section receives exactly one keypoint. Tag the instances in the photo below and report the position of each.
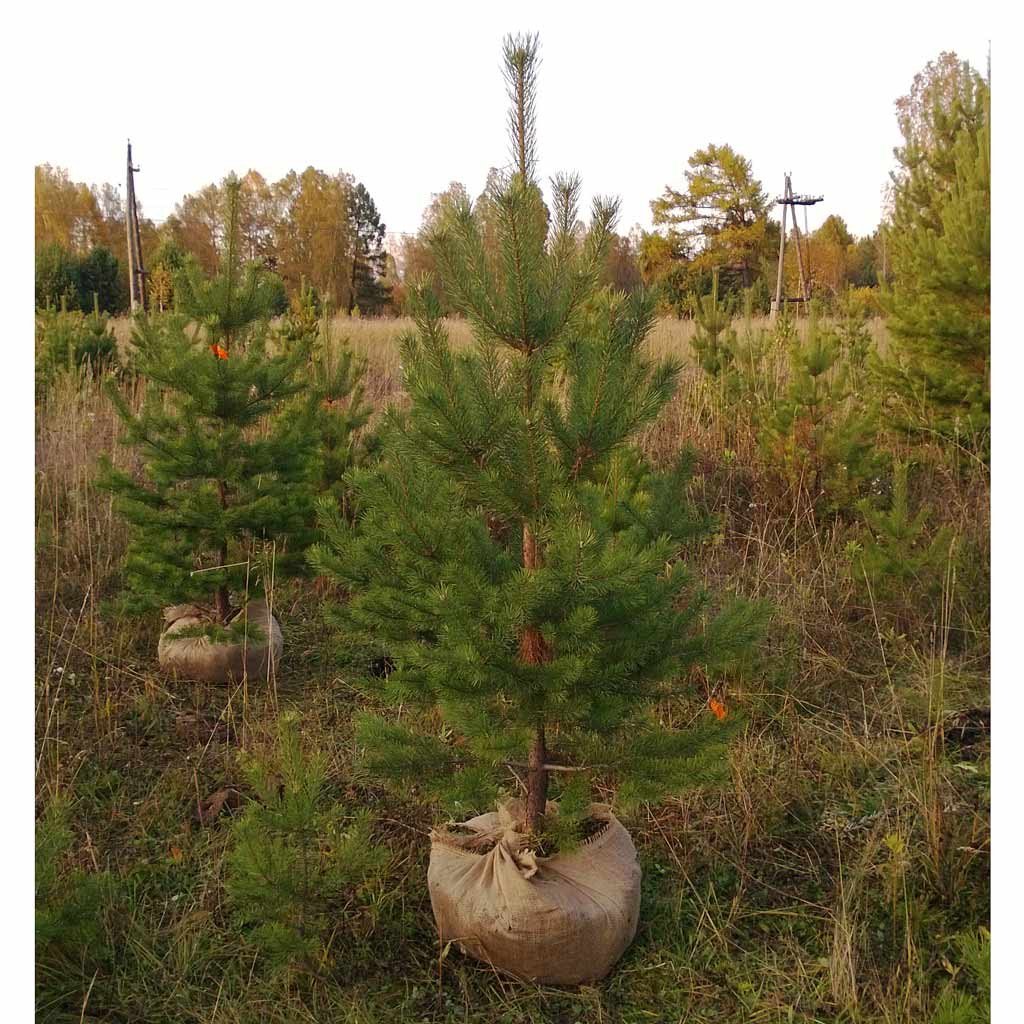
(536, 782)
(533, 650)
(222, 598)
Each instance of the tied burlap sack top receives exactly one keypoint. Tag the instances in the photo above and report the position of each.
(560, 920)
(204, 660)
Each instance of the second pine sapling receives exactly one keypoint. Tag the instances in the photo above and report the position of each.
(226, 481)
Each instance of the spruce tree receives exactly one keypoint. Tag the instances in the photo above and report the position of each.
(514, 555)
(226, 479)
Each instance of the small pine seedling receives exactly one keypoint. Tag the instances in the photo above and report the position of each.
(70, 342)
(898, 560)
(71, 938)
(819, 434)
(714, 338)
(297, 862)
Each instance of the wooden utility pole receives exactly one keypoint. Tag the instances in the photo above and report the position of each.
(790, 201)
(136, 268)
(782, 261)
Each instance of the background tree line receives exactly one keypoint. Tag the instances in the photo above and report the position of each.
(718, 222)
(325, 231)
(310, 228)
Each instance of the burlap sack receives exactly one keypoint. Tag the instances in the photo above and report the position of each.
(201, 659)
(560, 920)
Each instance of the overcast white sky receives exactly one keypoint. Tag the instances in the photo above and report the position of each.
(409, 97)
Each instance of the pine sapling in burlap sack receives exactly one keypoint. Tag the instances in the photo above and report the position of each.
(560, 920)
(239, 432)
(520, 564)
(249, 647)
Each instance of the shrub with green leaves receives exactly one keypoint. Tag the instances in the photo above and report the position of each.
(297, 861)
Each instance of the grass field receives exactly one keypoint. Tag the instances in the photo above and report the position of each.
(842, 875)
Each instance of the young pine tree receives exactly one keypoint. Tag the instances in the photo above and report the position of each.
(940, 305)
(818, 434)
(714, 338)
(67, 342)
(336, 412)
(72, 907)
(226, 478)
(900, 564)
(514, 555)
(296, 861)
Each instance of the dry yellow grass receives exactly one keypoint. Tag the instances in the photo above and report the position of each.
(817, 884)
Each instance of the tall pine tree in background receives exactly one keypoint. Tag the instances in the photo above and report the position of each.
(226, 480)
(515, 555)
(369, 258)
(940, 304)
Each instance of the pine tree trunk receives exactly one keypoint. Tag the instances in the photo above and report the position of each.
(223, 604)
(534, 651)
(536, 782)
(222, 598)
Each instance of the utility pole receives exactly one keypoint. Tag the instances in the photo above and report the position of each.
(136, 268)
(790, 201)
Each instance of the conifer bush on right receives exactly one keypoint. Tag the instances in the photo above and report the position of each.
(939, 376)
(515, 555)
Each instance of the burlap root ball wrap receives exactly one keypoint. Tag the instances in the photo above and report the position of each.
(201, 659)
(559, 920)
